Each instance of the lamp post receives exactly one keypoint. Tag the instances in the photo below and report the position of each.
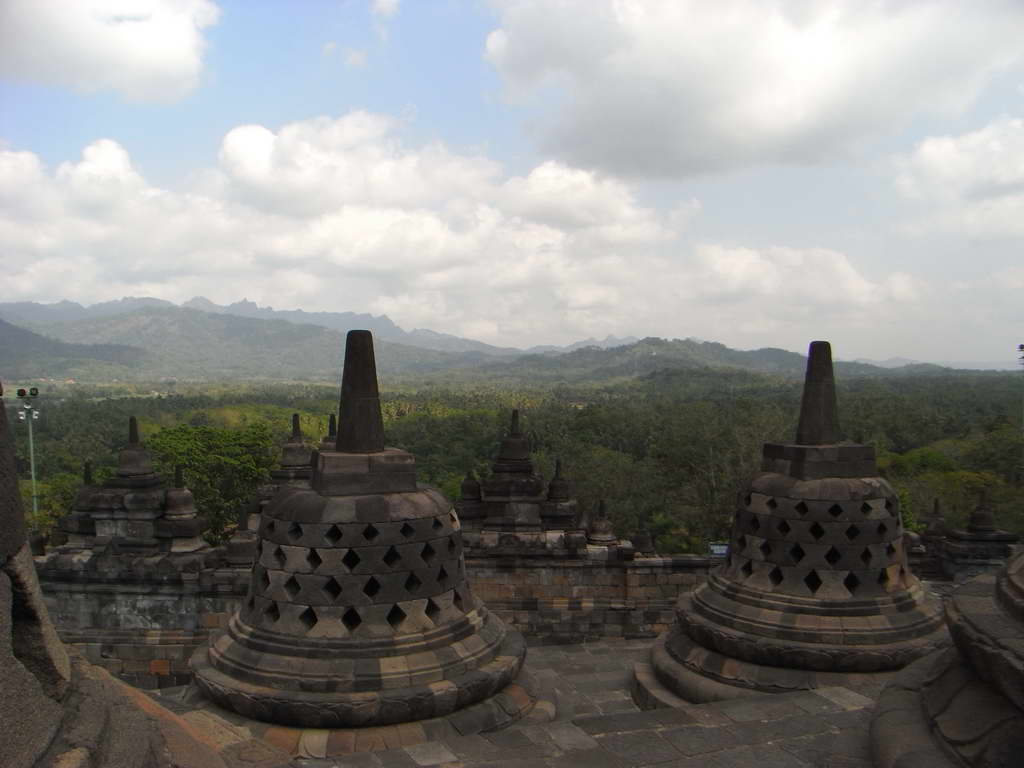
(1020, 349)
(30, 413)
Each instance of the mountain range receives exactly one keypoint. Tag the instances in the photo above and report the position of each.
(143, 338)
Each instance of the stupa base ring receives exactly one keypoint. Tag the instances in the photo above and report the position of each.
(309, 709)
(705, 675)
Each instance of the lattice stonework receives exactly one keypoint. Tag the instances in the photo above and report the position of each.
(358, 611)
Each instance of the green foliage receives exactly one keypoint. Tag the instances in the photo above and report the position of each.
(222, 467)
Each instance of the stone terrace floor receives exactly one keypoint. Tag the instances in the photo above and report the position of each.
(597, 726)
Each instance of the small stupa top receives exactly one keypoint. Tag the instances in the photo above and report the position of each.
(981, 526)
(819, 450)
(295, 454)
(331, 438)
(558, 488)
(134, 461)
(512, 472)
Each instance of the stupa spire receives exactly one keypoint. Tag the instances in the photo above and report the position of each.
(819, 414)
(296, 429)
(133, 431)
(361, 428)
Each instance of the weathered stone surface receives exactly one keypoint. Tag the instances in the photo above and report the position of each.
(358, 611)
(815, 589)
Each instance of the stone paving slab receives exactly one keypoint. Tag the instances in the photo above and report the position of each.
(826, 728)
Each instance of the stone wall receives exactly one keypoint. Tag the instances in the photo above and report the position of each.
(145, 633)
(571, 600)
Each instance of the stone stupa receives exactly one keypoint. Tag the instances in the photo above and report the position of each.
(815, 590)
(358, 611)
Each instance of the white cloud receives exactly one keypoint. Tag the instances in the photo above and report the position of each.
(666, 88)
(385, 8)
(355, 59)
(340, 214)
(147, 50)
(972, 184)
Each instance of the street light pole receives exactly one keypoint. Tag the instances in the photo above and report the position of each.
(29, 413)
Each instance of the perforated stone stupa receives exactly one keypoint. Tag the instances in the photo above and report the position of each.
(815, 590)
(358, 611)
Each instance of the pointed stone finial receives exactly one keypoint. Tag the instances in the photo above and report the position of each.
(558, 470)
(470, 487)
(179, 476)
(296, 429)
(332, 426)
(362, 426)
(558, 488)
(87, 473)
(133, 431)
(819, 414)
(513, 429)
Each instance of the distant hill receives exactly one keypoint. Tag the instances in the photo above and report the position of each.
(185, 343)
(652, 355)
(28, 355)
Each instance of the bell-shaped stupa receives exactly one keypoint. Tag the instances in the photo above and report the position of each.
(358, 611)
(815, 589)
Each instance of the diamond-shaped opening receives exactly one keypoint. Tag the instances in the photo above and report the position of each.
(395, 617)
(865, 556)
(766, 548)
(264, 581)
(801, 509)
(351, 619)
(294, 531)
(413, 583)
(775, 576)
(453, 518)
(391, 557)
(851, 582)
(747, 569)
(889, 506)
(371, 587)
(272, 612)
(351, 559)
(755, 524)
(292, 587)
(332, 588)
(883, 576)
(882, 529)
(370, 533)
(314, 560)
(333, 535)
(308, 618)
(280, 557)
(852, 532)
(747, 500)
(865, 508)
(442, 575)
(451, 545)
(457, 601)
(813, 581)
(816, 530)
(773, 504)
(797, 553)
(890, 550)
(406, 530)
(270, 526)
(741, 542)
(833, 556)
(432, 610)
(437, 525)
(835, 510)
(428, 554)
(783, 527)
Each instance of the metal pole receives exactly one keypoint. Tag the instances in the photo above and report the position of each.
(32, 465)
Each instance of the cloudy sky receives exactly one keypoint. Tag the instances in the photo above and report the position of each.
(755, 172)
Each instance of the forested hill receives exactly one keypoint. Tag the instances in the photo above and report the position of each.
(26, 355)
(188, 344)
(652, 354)
(158, 342)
